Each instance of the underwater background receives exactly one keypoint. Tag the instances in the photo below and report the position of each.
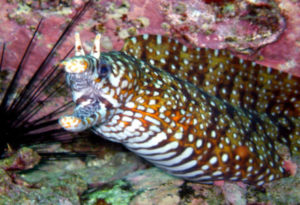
(95, 171)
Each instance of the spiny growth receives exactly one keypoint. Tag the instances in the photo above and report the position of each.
(199, 114)
(24, 118)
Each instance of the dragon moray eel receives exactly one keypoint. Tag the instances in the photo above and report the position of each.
(197, 113)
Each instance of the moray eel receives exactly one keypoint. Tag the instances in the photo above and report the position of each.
(199, 114)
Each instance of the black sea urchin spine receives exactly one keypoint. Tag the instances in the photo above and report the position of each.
(22, 118)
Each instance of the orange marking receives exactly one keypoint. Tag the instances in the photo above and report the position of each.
(242, 151)
(97, 80)
(84, 63)
(68, 122)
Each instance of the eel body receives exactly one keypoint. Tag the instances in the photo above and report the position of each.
(197, 113)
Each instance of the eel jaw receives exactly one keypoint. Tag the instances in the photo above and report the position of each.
(72, 123)
(86, 115)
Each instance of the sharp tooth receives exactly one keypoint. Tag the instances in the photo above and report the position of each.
(86, 102)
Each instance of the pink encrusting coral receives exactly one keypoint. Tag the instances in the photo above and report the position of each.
(243, 26)
(263, 31)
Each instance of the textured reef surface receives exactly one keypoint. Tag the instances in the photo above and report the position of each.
(245, 26)
(263, 31)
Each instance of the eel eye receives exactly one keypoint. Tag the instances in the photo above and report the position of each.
(103, 70)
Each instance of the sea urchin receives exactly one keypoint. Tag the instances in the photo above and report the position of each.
(25, 117)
